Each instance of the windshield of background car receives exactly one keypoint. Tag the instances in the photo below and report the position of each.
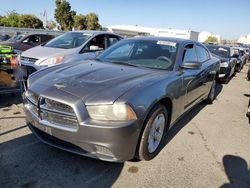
(68, 40)
(220, 51)
(16, 38)
(158, 54)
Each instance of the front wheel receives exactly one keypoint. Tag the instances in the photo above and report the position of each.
(153, 133)
(211, 95)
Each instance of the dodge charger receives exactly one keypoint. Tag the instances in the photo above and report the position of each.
(120, 105)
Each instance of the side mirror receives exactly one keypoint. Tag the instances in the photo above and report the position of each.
(191, 65)
(94, 48)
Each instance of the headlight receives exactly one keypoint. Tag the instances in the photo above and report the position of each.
(116, 112)
(224, 64)
(51, 61)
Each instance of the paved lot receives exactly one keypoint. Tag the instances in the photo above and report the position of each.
(209, 147)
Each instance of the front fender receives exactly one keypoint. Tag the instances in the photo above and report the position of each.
(142, 99)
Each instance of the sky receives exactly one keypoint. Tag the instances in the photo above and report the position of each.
(228, 18)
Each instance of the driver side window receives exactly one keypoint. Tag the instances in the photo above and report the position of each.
(33, 39)
(189, 53)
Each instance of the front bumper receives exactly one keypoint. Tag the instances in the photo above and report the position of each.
(109, 141)
(223, 73)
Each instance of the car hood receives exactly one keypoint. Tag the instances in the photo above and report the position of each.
(41, 52)
(223, 59)
(97, 82)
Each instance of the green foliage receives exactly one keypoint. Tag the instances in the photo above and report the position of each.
(64, 15)
(211, 39)
(30, 21)
(68, 19)
(93, 22)
(80, 22)
(11, 19)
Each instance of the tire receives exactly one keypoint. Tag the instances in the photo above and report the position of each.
(148, 146)
(211, 95)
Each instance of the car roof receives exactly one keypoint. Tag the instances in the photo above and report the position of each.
(170, 39)
(218, 46)
(93, 32)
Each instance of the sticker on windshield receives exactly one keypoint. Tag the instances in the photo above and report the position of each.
(167, 43)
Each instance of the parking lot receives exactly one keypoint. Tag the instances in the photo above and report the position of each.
(209, 147)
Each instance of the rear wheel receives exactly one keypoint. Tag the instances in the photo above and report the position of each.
(211, 95)
(156, 124)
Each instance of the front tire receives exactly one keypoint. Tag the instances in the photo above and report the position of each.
(154, 131)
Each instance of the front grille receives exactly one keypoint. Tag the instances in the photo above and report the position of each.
(57, 106)
(28, 59)
(50, 112)
(223, 70)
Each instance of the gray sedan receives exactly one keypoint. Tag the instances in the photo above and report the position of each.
(121, 105)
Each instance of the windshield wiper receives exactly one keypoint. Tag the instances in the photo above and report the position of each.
(124, 63)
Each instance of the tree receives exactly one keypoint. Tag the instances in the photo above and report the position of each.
(93, 22)
(11, 19)
(64, 15)
(211, 39)
(80, 22)
(30, 21)
(1, 22)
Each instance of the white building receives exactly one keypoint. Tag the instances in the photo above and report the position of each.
(204, 35)
(244, 39)
(131, 31)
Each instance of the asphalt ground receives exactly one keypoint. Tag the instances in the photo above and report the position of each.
(209, 147)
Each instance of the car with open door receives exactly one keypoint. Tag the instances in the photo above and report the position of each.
(122, 104)
(69, 47)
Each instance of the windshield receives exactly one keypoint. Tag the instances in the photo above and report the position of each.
(220, 51)
(16, 38)
(68, 40)
(144, 53)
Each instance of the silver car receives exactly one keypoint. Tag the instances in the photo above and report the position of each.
(71, 46)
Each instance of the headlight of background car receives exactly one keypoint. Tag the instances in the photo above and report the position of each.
(51, 61)
(224, 64)
(116, 112)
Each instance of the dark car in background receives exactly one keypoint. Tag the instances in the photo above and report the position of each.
(241, 58)
(122, 104)
(22, 42)
(70, 47)
(228, 61)
(4, 37)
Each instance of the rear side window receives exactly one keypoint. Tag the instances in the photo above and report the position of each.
(112, 40)
(46, 38)
(189, 53)
(202, 54)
